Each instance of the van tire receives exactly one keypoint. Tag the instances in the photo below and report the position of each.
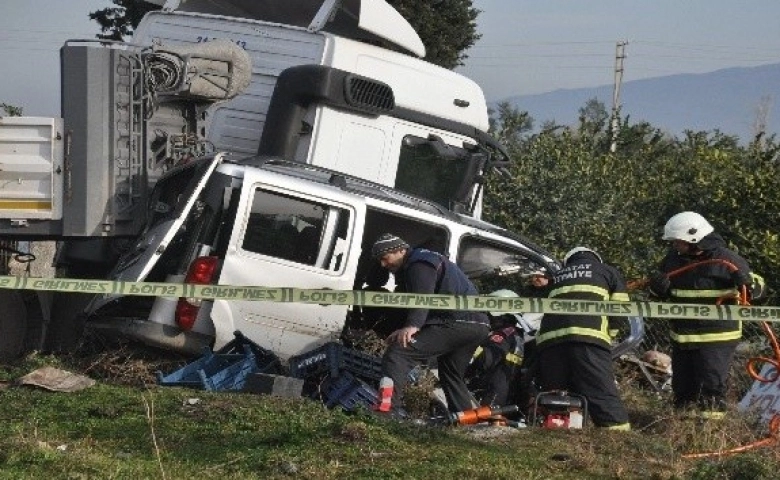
(13, 325)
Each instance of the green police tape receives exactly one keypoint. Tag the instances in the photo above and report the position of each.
(397, 300)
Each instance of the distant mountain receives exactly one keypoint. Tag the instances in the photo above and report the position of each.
(727, 100)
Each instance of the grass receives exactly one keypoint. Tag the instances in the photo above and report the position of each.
(126, 427)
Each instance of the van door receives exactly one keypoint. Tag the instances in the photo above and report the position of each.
(286, 238)
(171, 201)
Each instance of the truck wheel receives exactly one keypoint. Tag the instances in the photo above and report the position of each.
(13, 325)
(66, 327)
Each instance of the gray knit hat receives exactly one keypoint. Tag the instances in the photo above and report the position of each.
(387, 242)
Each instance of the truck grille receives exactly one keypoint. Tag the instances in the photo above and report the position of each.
(368, 95)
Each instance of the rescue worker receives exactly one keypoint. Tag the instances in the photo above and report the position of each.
(495, 366)
(702, 350)
(449, 336)
(574, 351)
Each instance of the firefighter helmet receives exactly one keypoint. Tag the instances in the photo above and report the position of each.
(574, 251)
(505, 293)
(687, 226)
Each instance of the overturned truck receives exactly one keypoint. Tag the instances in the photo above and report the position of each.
(245, 143)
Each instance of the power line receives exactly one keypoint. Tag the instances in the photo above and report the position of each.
(518, 65)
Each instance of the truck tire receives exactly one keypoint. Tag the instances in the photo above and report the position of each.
(65, 331)
(13, 325)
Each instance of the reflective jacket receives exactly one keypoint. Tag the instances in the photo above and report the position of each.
(504, 347)
(584, 278)
(709, 282)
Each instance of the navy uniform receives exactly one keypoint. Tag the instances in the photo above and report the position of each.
(700, 269)
(574, 351)
(449, 336)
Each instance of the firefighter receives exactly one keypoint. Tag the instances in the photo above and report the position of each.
(702, 350)
(574, 351)
(495, 367)
(449, 336)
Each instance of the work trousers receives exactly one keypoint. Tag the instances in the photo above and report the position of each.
(583, 369)
(492, 374)
(701, 374)
(452, 344)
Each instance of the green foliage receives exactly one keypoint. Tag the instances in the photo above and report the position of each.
(565, 188)
(447, 27)
(118, 22)
(10, 110)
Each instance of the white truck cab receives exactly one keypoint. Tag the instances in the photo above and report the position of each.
(340, 85)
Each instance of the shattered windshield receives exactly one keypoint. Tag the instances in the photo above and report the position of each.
(435, 171)
(492, 266)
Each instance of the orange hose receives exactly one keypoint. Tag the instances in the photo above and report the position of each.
(774, 433)
(752, 364)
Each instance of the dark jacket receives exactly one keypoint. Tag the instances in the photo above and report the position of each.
(424, 271)
(709, 282)
(583, 278)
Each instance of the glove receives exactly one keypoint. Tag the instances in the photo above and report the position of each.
(740, 277)
(659, 285)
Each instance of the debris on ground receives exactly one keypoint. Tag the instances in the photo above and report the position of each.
(56, 380)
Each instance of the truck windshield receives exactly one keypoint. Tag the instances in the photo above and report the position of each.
(431, 169)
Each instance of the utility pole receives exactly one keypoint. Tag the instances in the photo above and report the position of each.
(620, 54)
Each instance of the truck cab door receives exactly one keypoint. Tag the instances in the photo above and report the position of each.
(287, 238)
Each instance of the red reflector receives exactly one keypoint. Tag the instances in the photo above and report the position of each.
(201, 272)
(186, 314)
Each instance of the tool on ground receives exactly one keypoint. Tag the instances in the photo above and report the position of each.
(559, 409)
(485, 413)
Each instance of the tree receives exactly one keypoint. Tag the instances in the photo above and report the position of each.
(10, 110)
(508, 124)
(447, 27)
(593, 117)
(118, 22)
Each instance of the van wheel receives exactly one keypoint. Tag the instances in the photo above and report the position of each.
(13, 325)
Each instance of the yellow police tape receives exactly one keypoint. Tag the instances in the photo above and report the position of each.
(397, 300)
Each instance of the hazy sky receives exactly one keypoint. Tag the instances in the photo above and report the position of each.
(528, 46)
(536, 46)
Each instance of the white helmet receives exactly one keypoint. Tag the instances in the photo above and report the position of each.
(576, 250)
(529, 322)
(687, 226)
(505, 294)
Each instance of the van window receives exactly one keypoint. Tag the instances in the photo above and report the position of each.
(295, 229)
(494, 266)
